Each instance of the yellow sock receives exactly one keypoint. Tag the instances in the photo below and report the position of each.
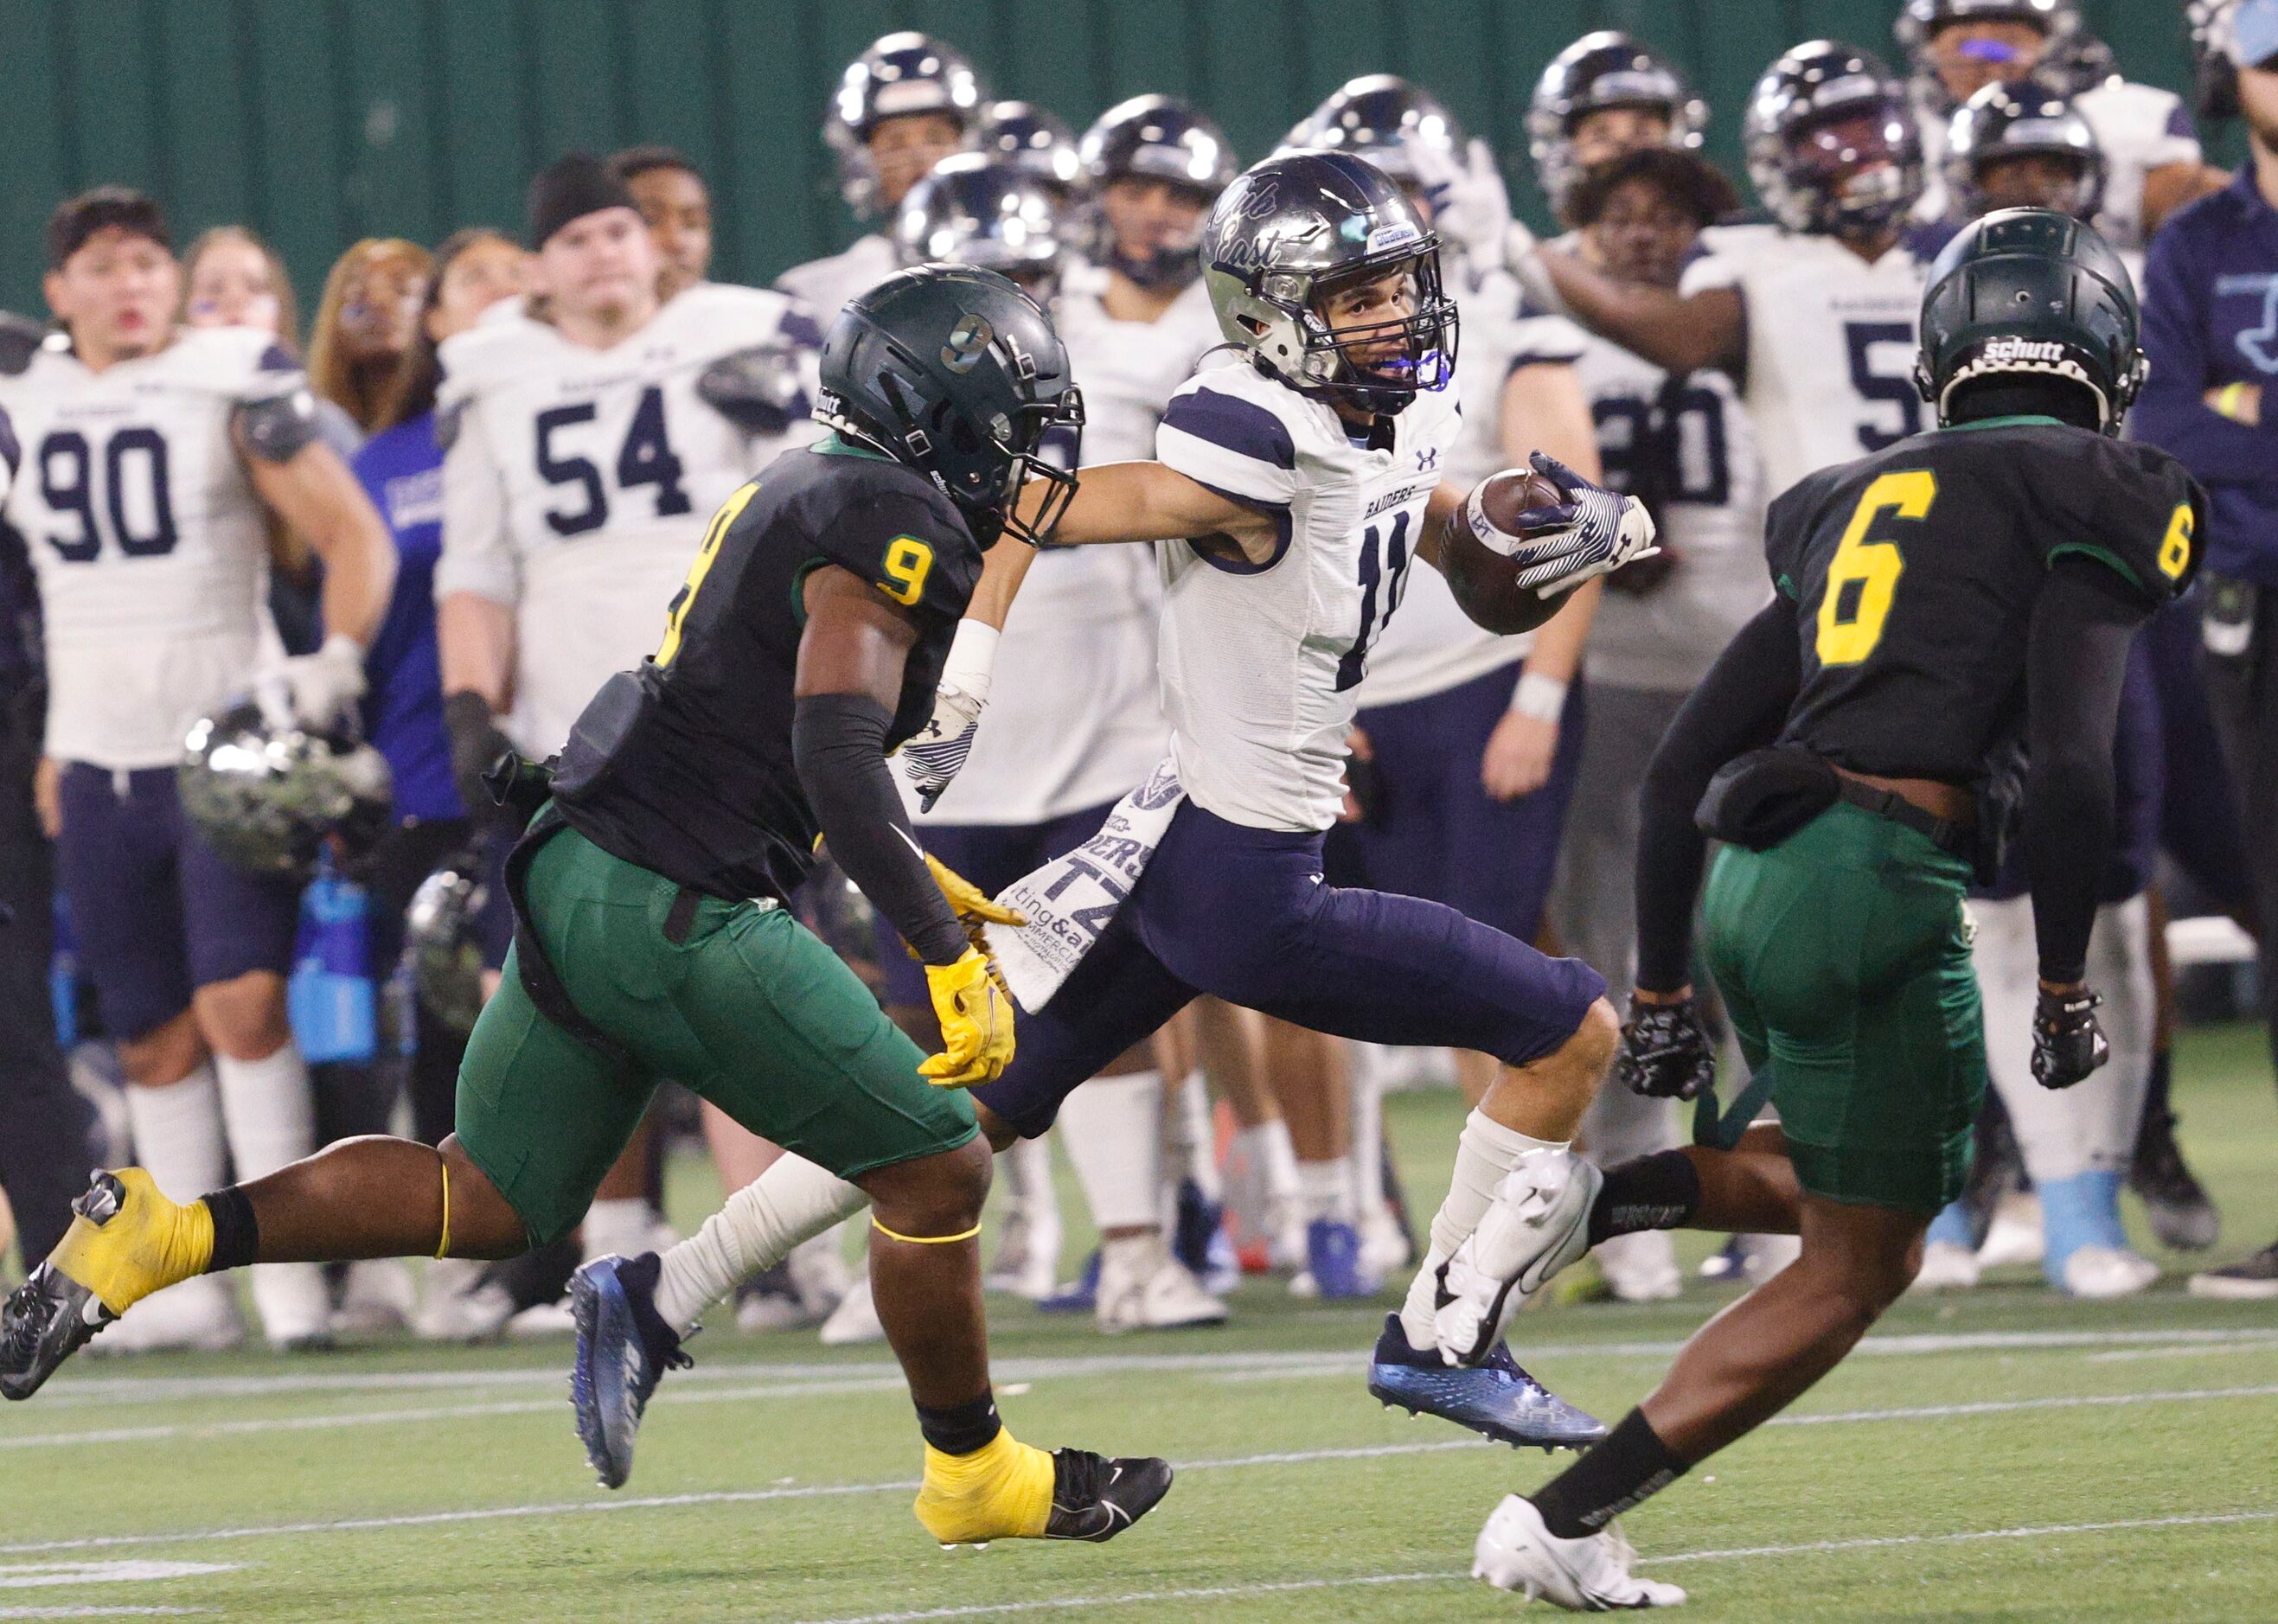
(151, 1243)
(1002, 1491)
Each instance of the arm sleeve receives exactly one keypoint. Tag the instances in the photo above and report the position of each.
(838, 743)
(477, 551)
(2172, 412)
(2075, 662)
(1741, 704)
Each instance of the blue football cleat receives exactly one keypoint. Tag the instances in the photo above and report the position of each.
(1495, 1397)
(1200, 1240)
(1080, 1295)
(1333, 1258)
(624, 1347)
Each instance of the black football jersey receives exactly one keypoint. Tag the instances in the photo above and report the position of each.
(1915, 571)
(685, 766)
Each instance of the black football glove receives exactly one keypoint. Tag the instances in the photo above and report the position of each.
(1664, 1054)
(2067, 1043)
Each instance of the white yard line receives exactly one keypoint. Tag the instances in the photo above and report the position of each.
(1452, 1575)
(99, 1613)
(32, 1575)
(805, 1491)
(78, 1390)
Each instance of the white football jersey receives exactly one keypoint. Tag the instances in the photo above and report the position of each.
(2140, 128)
(1434, 646)
(1712, 521)
(1073, 718)
(1262, 663)
(824, 286)
(578, 482)
(1830, 344)
(150, 545)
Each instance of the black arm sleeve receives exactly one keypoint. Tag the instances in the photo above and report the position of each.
(838, 743)
(2076, 660)
(1740, 705)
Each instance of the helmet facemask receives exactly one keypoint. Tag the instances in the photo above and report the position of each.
(984, 468)
(1853, 163)
(1378, 365)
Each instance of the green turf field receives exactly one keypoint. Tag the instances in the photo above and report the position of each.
(2001, 1455)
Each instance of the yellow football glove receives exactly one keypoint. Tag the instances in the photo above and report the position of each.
(976, 1021)
(966, 900)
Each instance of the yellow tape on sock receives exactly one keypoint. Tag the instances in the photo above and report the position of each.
(1001, 1490)
(443, 1241)
(924, 1240)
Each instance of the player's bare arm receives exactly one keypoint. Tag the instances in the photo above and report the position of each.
(320, 500)
(1681, 333)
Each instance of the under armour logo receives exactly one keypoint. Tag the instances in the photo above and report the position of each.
(1427, 459)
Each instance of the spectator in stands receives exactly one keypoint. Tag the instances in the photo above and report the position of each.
(232, 278)
(366, 323)
(402, 467)
(2210, 284)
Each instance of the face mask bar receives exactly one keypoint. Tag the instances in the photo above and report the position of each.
(1429, 337)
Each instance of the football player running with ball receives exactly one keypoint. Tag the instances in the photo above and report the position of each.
(1296, 483)
(805, 643)
(1938, 603)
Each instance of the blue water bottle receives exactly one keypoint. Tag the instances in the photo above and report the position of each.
(62, 976)
(331, 998)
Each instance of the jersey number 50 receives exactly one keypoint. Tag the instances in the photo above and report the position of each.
(1863, 578)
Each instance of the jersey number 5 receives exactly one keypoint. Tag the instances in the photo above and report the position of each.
(1863, 576)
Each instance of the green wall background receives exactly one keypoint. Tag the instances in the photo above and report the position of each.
(320, 121)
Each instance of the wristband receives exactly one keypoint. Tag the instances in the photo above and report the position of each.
(1539, 696)
(971, 660)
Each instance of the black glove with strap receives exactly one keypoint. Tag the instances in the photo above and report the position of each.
(477, 744)
(2067, 1042)
(1665, 1055)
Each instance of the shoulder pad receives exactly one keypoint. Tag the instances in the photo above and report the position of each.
(20, 339)
(277, 427)
(757, 388)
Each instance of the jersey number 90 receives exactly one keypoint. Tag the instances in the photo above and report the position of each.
(134, 507)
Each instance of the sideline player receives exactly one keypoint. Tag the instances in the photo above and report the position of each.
(1605, 94)
(1296, 483)
(900, 107)
(586, 433)
(1958, 47)
(154, 460)
(1815, 312)
(1937, 603)
(804, 643)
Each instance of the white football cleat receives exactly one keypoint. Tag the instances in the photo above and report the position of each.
(2106, 1272)
(1946, 1266)
(1641, 1267)
(855, 1320)
(457, 1303)
(1514, 1551)
(1384, 1247)
(1537, 1223)
(295, 1304)
(2016, 1236)
(1143, 1287)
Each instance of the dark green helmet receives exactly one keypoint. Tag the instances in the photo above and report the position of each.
(2029, 293)
(956, 372)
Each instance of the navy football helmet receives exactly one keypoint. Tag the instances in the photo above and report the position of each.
(2025, 120)
(1296, 227)
(1158, 138)
(1832, 140)
(1605, 69)
(1034, 138)
(975, 209)
(901, 73)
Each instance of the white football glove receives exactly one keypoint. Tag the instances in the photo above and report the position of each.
(1539, 1223)
(312, 690)
(1597, 531)
(1471, 206)
(933, 757)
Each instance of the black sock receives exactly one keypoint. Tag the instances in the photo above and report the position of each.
(962, 1428)
(1659, 1191)
(237, 1233)
(1620, 1469)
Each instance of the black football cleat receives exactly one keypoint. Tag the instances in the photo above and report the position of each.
(1094, 1499)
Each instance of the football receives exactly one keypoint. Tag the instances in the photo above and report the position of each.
(1480, 570)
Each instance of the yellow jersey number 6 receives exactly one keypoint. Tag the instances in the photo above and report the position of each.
(1863, 576)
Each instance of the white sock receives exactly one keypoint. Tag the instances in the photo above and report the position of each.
(1113, 1129)
(178, 1135)
(1027, 1169)
(1487, 1151)
(792, 1201)
(270, 1114)
(268, 1109)
(1198, 1136)
(1367, 1140)
(1325, 1189)
(619, 1226)
(1276, 1160)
